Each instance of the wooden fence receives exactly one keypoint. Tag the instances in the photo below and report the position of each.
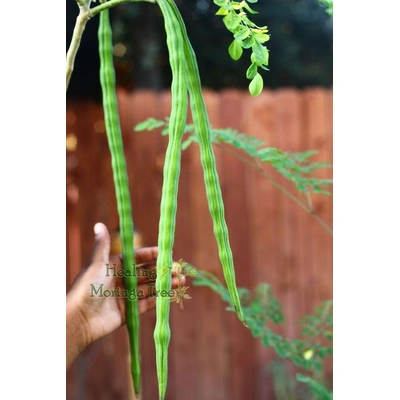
(212, 355)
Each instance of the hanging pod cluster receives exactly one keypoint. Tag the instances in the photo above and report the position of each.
(185, 82)
(185, 86)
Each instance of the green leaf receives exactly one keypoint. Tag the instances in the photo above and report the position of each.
(303, 156)
(232, 20)
(302, 378)
(235, 50)
(236, 6)
(265, 341)
(282, 352)
(248, 42)
(148, 124)
(248, 8)
(247, 22)
(328, 4)
(251, 71)
(222, 11)
(319, 390)
(242, 34)
(270, 154)
(221, 3)
(256, 85)
(187, 143)
(261, 37)
(252, 1)
(260, 54)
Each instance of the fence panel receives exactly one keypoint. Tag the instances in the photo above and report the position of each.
(212, 355)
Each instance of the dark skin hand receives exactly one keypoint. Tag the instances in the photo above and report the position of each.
(91, 318)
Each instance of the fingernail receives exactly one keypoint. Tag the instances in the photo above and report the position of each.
(98, 229)
(175, 281)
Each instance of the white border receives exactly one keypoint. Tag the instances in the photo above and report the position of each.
(366, 202)
(33, 199)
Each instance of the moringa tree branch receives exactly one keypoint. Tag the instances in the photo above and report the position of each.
(85, 13)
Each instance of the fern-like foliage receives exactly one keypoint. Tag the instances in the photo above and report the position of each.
(294, 166)
(262, 311)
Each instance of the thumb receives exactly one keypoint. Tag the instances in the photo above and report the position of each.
(101, 248)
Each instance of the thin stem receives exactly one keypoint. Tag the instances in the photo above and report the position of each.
(84, 3)
(256, 164)
(80, 24)
(85, 13)
(113, 3)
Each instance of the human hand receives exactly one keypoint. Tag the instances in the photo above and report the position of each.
(90, 314)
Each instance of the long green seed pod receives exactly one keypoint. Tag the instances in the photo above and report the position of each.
(169, 197)
(213, 189)
(114, 136)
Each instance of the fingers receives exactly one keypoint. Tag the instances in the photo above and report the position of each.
(146, 255)
(176, 281)
(149, 302)
(143, 255)
(101, 248)
(149, 289)
(148, 273)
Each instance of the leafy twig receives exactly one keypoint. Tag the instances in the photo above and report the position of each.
(257, 164)
(246, 35)
(292, 166)
(261, 309)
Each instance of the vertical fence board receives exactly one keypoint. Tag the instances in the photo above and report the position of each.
(209, 343)
(233, 177)
(319, 114)
(263, 240)
(318, 139)
(287, 123)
